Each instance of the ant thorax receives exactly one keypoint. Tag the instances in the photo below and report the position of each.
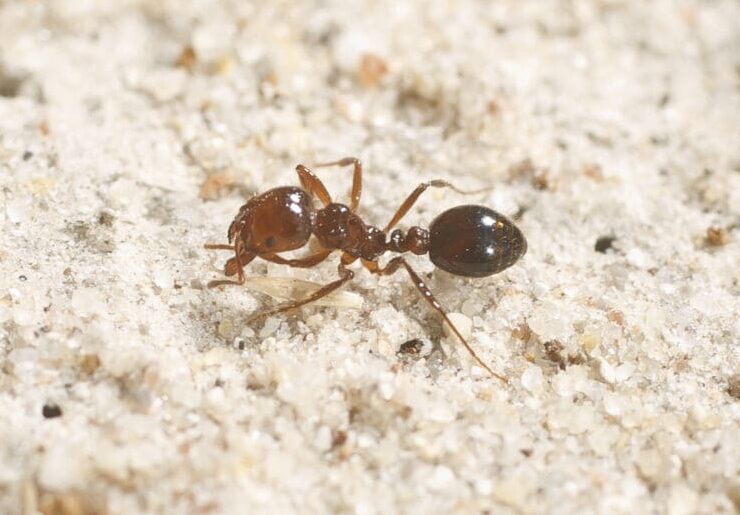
(336, 227)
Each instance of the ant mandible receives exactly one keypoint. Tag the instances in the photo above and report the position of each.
(468, 240)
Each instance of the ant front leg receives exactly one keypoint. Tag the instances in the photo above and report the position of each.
(313, 184)
(234, 266)
(421, 188)
(392, 266)
(345, 276)
(356, 178)
(218, 246)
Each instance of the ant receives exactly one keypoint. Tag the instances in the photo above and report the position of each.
(467, 240)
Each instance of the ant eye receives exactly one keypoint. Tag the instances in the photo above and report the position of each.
(270, 241)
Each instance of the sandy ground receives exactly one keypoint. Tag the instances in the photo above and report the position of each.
(131, 132)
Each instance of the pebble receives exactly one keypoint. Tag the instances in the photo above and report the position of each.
(682, 500)
(532, 379)
(271, 325)
(87, 302)
(163, 279)
(62, 468)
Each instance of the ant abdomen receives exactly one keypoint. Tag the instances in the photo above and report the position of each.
(474, 241)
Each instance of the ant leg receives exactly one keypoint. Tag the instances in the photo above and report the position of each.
(392, 266)
(306, 262)
(421, 188)
(234, 265)
(218, 246)
(313, 184)
(226, 282)
(356, 178)
(231, 265)
(345, 275)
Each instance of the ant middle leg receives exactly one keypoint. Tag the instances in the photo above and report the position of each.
(218, 246)
(345, 276)
(392, 266)
(305, 262)
(421, 188)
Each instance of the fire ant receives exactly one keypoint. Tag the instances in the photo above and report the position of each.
(467, 240)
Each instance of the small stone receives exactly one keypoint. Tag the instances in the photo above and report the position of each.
(51, 411)
(210, 152)
(441, 476)
(471, 307)
(607, 372)
(62, 468)
(613, 404)
(68, 503)
(702, 417)
(187, 58)
(733, 385)
(211, 41)
(512, 492)
(716, 237)
(651, 464)
(563, 385)
(225, 328)
(682, 500)
(217, 184)
(87, 302)
(271, 325)
(551, 322)
(90, 363)
(18, 210)
(604, 243)
(441, 412)
(532, 379)
(323, 440)
(483, 486)
(522, 332)
(581, 419)
(602, 439)
(371, 70)
(349, 47)
(386, 387)
(163, 84)
(639, 258)
(163, 279)
(411, 348)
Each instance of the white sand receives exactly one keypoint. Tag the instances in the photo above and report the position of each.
(593, 118)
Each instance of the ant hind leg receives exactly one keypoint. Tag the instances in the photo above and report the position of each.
(414, 196)
(392, 266)
(345, 276)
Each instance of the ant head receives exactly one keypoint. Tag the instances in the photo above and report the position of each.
(276, 221)
(474, 241)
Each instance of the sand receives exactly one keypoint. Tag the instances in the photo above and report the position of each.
(132, 131)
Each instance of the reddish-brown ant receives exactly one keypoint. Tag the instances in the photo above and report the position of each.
(469, 240)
